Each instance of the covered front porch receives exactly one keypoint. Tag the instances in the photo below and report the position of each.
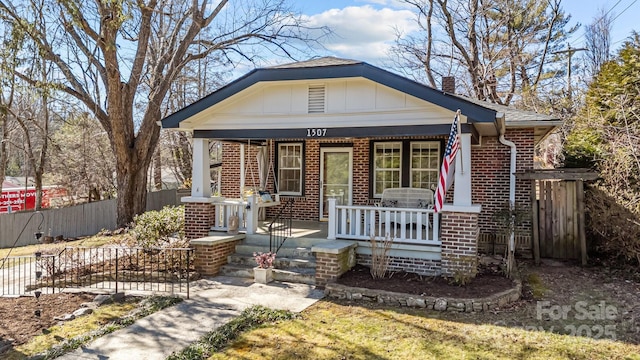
(422, 241)
(347, 222)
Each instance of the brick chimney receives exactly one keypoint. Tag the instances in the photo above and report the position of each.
(449, 84)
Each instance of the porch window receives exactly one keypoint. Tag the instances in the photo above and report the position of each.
(290, 167)
(387, 161)
(425, 160)
(404, 163)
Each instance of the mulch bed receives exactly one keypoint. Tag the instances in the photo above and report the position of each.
(18, 322)
(485, 284)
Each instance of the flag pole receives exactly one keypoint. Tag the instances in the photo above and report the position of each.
(460, 142)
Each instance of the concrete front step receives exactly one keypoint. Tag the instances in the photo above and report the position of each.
(263, 240)
(300, 275)
(281, 262)
(285, 252)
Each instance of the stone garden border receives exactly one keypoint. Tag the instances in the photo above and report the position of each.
(339, 291)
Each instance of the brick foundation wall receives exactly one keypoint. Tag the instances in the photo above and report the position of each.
(208, 259)
(419, 266)
(198, 218)
(459, 238)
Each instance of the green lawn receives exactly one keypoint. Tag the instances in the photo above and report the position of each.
(330, 330)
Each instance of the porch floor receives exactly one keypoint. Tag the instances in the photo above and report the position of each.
(300, 229)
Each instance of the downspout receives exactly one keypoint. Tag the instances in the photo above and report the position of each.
(512, 177)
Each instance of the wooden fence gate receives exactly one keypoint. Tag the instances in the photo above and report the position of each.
(557, 204)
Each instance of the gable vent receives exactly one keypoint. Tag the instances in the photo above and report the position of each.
(316, 99)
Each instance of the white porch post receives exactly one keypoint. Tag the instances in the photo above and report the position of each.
(242, 169)
(333, 220)
(201, 177)
(462, 184)
(252, 214)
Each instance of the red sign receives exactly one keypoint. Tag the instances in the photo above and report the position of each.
(16, 199)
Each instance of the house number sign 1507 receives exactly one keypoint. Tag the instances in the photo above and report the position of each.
(316, 132)
(319, 132)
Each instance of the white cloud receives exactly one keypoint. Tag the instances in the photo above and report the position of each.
(363, 32)
(396, 4)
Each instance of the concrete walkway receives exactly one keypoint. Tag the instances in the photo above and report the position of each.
(213, 303)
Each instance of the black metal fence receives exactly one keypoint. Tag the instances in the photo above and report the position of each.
(20, 275)
(156, 270)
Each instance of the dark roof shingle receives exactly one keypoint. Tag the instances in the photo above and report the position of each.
(319, 62)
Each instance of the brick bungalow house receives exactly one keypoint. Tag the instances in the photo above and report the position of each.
(333, 134)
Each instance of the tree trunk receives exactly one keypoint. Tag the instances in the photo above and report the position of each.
(132, 163)
(3, 150)
(38, 183)
(157, 170)
(132, 192)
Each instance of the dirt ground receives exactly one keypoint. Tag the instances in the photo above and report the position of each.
(19, 323)
(487, 282)
(558, 297)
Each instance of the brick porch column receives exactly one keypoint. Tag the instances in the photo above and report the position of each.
(459, 235)
(212, 252)
(198, 217)
(199, 211)
(333, 259)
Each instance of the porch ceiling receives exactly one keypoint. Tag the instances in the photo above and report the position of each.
(261, 135)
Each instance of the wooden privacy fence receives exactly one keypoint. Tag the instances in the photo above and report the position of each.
(73, 221)
(557, 204)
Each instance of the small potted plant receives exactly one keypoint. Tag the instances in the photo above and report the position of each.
(263, 272)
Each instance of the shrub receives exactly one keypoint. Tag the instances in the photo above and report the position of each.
(380, 256)
(613, 230)
(153, 228)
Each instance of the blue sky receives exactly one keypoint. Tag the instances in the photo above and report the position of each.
(365, 28)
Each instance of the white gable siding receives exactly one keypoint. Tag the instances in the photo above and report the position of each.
(361, 96)
(349, 103)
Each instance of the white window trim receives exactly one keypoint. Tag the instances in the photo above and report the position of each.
(375, 194)
(401, 169)
(412, 169)
(301, 168)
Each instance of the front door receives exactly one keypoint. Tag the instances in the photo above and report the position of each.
(336, 169)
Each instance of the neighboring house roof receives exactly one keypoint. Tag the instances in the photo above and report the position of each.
(515, 116)
(16, 182)
(7, 185)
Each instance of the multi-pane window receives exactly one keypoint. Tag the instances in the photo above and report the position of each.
(387, 166)
(290, 168)
(425, 160)
(405, 164)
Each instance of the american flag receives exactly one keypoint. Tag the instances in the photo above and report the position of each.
(448, 164)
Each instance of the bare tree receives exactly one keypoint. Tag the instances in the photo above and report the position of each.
(496, 48)
(30, 110)
(120, 57)
(12, 42)
(81, 159)
(598, 42)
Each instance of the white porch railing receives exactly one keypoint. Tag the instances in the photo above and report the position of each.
(414, 226)
(247, 212)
